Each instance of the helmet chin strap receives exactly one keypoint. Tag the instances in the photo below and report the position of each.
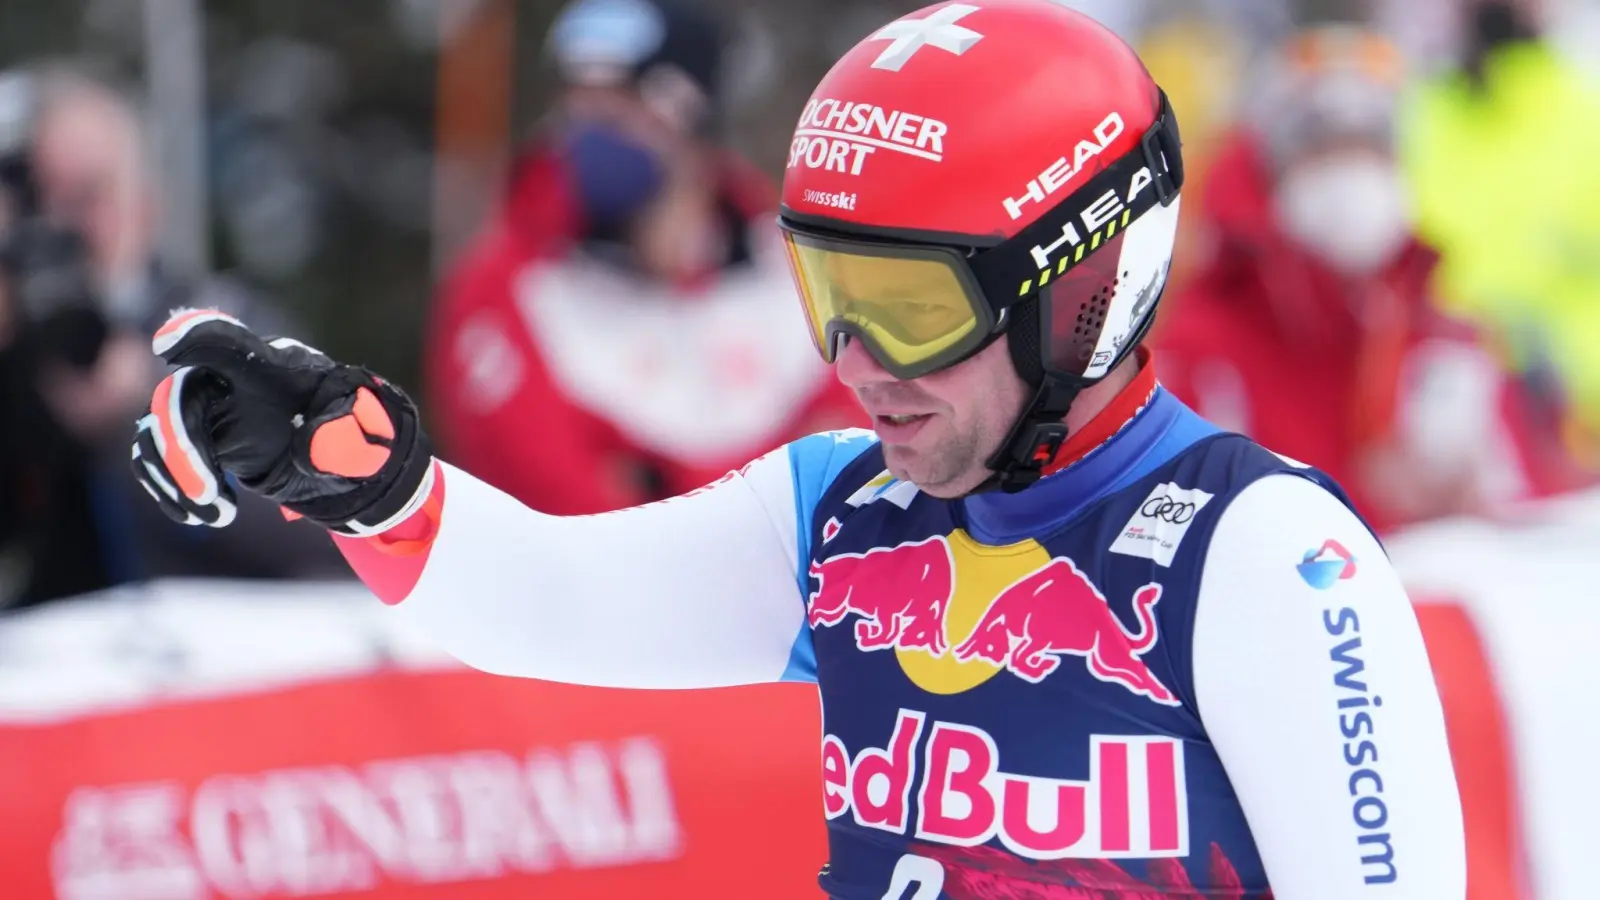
(1040, 430)
(1035, 439)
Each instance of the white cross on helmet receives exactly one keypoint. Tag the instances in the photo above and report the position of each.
(910, 35)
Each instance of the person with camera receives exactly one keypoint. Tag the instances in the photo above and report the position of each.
(81, 291)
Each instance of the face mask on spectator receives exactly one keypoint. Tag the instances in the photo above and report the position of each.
(615, 175)
(1350, 211)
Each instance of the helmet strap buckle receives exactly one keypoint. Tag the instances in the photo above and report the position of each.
(1035, 440)
(1020, 466)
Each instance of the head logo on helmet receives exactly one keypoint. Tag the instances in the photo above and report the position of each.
(1012, 163)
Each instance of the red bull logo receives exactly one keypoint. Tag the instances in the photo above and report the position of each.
(957, 613)
(900, 595)
(1133, 804)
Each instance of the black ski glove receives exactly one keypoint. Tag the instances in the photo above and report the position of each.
(330, 442)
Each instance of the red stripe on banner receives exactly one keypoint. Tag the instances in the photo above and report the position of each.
(1163, 769)
(1476, 725)
(1114, 797)
(449, 785)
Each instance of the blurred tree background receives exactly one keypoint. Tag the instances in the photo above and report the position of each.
(321, 121)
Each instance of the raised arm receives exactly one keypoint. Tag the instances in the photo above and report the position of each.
(696, 591)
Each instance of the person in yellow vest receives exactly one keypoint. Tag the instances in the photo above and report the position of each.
(1500, 153)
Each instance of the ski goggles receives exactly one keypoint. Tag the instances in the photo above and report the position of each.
(918, 308)
(920, 305)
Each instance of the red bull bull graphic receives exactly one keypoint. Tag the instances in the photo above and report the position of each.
(899, 593)
(1131, 806)
(957, 613)
(1057, 611)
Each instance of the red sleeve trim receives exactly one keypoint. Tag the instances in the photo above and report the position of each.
(391, 563)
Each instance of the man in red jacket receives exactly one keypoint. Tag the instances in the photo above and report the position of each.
(627, 329)
(1311, 325)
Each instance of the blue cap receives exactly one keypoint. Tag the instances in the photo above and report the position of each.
(634, 43)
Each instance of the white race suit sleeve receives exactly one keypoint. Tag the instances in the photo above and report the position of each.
(696, 591)
(1315, 687)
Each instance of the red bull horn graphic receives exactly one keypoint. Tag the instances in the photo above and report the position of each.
(956, 613)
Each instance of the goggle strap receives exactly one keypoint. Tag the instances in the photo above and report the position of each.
(1162, 148)
(1074, 228)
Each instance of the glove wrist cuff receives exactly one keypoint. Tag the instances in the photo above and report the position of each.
(382, 501)
(404, 496)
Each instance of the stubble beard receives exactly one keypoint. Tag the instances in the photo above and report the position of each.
(954, 468)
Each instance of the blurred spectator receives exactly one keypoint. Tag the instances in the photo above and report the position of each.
(1199, 61)
(1311, 325)
(1197, 51)
(626, 330)
(1500, 151)
(80, 295)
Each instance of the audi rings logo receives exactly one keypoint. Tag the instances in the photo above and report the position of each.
(1167, 510)
(1156, 529)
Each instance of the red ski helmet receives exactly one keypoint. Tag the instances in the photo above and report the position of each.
(973, 170)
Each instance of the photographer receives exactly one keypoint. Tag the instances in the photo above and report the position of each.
(80, 294)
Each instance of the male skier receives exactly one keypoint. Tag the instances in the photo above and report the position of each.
(1071, 640)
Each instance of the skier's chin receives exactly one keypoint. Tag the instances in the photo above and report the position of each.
(934, 474)
(904, 463)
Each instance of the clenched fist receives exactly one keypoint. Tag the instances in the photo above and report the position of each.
(330, 442)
